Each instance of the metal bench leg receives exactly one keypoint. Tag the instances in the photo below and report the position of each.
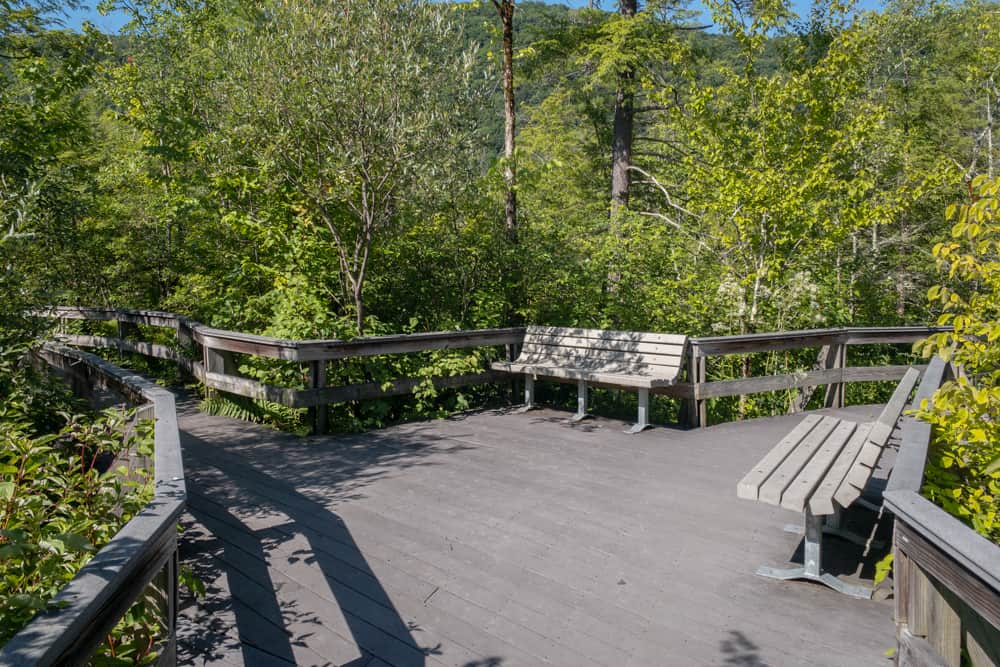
(831, 526)
(812, 559)
(529, 394)
(643, 422)
(581, 402)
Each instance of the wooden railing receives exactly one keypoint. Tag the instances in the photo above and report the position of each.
(830, 369)
(212, 360)
(207, 354)
(946, 577)
(144, 551)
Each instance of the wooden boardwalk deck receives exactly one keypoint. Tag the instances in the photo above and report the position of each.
(503, 539)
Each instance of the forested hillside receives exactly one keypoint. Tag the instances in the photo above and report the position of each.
(314, 169)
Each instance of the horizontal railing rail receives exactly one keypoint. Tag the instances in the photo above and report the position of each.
(830, 370)
(218, 370)
(214, 364)
(91, 604)
(946, 577)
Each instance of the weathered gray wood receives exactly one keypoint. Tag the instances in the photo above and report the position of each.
(651, 380)
(908, 469)
(572, 545)
(241, 386)
(821, 502)
(878, 373)
(598, 365)
(549, 333)
(964, 561)
(749, 487)
(636, 346)
(796, 497)
(754, 385)
(982, 640)
(788, 340)
(86, 609)
(893, 335)
(764, 342)
(317, 380)
(916, 652)
(871, 451)
(945, 626)
(360, 347)
(592, 358)
(834, 397)
(783, 476)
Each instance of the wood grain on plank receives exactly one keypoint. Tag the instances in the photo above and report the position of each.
(786, 472)
(800, 491)
(749, 487)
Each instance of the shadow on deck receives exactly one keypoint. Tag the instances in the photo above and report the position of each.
(502, 539)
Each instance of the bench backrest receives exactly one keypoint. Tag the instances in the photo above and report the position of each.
(867, 460)
(604, 351)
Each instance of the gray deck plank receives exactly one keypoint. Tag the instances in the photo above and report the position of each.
(515, 539)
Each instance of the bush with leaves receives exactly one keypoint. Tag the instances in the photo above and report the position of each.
(963, 467)
(63, 495)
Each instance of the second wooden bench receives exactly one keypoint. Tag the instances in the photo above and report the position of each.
(820, 467)
(621, 359)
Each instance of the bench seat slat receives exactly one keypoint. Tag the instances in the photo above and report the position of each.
(821, 502)
(749, 487)
(649, 381)
(799, 492)
(580, 359)
(608, 334)
(785, 474)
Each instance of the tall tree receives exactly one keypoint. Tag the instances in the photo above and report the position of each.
(341, 120)
(622, 131)
(505, 9)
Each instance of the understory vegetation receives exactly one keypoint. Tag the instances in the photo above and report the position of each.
(308, 169)
(69, 480)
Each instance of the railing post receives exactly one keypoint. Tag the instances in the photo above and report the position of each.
(836, 359)
(169, 654)
(317, 380)
(124, 329)
(695, 410)
(217, 361)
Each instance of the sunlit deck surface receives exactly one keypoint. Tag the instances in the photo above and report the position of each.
(505, 539)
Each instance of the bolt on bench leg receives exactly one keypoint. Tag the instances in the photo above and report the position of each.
(812, 569)
(581, 402)
(643, 418)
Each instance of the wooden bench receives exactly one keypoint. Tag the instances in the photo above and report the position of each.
(820, 467)
(620, 359)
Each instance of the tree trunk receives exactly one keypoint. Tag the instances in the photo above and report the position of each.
(513, 287)
(622, 132)
(505, 8)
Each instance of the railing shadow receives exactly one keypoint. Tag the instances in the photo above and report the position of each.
(218, 481)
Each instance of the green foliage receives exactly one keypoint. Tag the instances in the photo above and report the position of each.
(963, 471)
(251, 410)
(883, 568)
(63, 495)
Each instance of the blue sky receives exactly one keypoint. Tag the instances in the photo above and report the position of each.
(114, 22)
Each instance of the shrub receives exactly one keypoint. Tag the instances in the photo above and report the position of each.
(963, 466)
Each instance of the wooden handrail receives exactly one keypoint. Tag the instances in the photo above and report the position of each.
(90, 605)
(217, 370)
(946, 576)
